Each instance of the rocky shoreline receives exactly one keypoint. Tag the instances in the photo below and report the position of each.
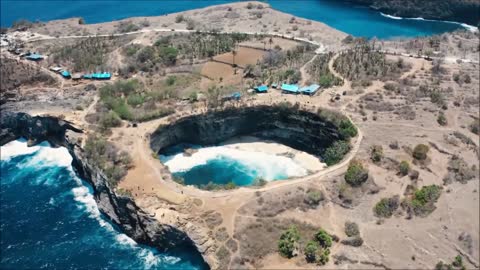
(121, 210)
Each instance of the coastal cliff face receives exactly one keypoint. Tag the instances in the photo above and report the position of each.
(466, 11)
(121, 210)
(298, 129)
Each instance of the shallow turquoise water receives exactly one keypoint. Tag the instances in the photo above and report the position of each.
(49, 220)
(224, 164)
(358, 21)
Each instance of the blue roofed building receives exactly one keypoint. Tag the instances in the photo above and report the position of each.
(290, 88)
(34, 57)
(261, 89)
(310, 90)
(233, 96)
(65, 74)
(98, 76)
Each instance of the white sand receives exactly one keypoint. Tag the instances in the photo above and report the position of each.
(250, 143)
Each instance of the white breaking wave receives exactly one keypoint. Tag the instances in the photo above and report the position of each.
(391, 16)
(268, 166)
(45, 154)
(469, 27)
(16, 148)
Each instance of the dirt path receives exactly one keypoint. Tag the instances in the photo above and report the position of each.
(303, 70)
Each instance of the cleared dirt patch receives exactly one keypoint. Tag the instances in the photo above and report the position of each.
(244, 56)
(221, 72)
(285, 44)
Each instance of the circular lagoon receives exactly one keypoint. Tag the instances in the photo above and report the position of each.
(243, 161)
(250, 145)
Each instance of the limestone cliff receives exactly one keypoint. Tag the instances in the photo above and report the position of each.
(121, 210)
(299, 129)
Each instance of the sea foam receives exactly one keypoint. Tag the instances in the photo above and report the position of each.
(469, 27)
(267, 165)
(45, 155)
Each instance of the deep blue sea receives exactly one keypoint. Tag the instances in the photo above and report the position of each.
(355, 20)
(49, 219)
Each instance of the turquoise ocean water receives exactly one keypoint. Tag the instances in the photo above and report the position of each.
(49, 220)
(355, 20)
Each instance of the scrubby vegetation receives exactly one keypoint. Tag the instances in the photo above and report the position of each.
(279, 66)
(457, 264)
(459, 171)
(363, 63)
(288, 244)
(441, 119)
(315, 251)
(320, 72)
(351, 229)
(376, 153)
(420, 152)
(356, 174)
(167, 50)
(87, 55)
(130, 101)
(386, 207)
(336, 152)
(314, 197)
(475, 127)
(404, 168)
(127, 26)
(211, 186)
(422, 201)
(107, 157)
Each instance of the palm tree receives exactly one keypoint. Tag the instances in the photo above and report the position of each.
(270, 42)
(234, 52)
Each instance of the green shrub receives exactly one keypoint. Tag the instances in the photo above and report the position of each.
(179, 18)
(386, 207)
(127, 26)
(441, 119)
(314, 197)
(457, 262)
(336, 152)
(356, 174)
(404, 168)
(135, 100)
(259, 182)
(171, 80)
(423, 200)
(323, 257)
(428, 194)
(168, 55)
(351, 229)
(190, 24)
(323, 239)
(310, 251)
(230, 185)
(376, 153)
(288, 243)
(475, 127)
(354, 241)
(110, 120)
(347, 129)
(420, 152)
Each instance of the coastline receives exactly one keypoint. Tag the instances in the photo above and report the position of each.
(468, 27)
(121, 210)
